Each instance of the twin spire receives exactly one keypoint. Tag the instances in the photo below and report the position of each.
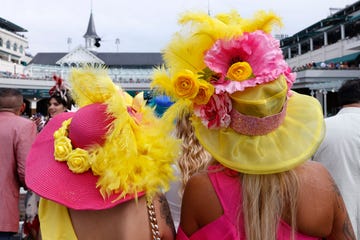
(91, 37)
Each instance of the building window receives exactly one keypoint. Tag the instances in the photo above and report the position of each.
(8, 44)
(15, 47)
(21, 49)
(1, 42)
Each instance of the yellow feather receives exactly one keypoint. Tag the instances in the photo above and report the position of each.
(200, 31)
(162, 81)
(91, 85)
(134, 157)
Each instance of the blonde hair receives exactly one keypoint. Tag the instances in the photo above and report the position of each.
(193, 157)
(264, 199)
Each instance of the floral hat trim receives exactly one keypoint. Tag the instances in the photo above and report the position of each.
(246, 61)
(77, 159)
(231, 65)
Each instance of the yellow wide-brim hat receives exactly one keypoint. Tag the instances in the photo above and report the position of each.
(230, 74)
(293, 142)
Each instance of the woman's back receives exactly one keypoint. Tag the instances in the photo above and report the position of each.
(95, 168)
(237, 88)
(321, 211)
(129, 220)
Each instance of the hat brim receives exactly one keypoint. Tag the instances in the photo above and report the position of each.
(53, 180)
(291, 144)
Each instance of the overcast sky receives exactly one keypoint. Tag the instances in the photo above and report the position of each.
(140, 25)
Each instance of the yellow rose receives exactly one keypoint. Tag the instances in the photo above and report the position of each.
(62, 148)
(186, 85)
(239, 71)
(62, 131)
(78, 161)
(206, 90)
(98, 167)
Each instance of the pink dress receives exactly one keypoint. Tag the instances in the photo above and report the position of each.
(225, 226)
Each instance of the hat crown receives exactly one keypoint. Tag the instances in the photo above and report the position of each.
(89, 126)
(262, 100)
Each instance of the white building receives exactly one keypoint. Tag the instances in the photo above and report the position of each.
(13, 58)
(129, 69)
(325, 54)
(123, 67)
(335, 39)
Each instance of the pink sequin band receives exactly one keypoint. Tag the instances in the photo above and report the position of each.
(255, 126)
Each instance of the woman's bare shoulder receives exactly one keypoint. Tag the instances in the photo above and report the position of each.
(321, 209)
(200, 204)
(163, 216)
(197, 181)
(197, 189)
(313, 172)
(317, 189)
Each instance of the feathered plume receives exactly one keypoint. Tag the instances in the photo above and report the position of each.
(134, 157)
(91, 85)
(59, 88)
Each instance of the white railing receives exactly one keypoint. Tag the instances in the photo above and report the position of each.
(338, 49)
(6, 66)
(33, 83)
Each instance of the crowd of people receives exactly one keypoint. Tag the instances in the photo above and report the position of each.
(237, 154)
(325, 66)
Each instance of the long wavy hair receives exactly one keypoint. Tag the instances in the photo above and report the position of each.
(193, 157)
(265, 198)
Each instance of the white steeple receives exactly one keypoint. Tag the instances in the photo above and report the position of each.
(92, 40)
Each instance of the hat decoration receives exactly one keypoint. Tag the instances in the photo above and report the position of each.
(59, 88)
(113, 145)
(229, 64)
(210, 66)
(133, 157)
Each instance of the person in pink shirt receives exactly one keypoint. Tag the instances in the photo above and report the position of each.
(60, 101)
(16, 137)
(229, 73)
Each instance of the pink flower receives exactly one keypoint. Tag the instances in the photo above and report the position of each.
(216, 113)
(257, 48)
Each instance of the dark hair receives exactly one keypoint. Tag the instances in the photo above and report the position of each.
(349, 92)
(61, 93)
(65, 100)
(10, 98)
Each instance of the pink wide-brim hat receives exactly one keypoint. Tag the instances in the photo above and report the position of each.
(53, 180)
